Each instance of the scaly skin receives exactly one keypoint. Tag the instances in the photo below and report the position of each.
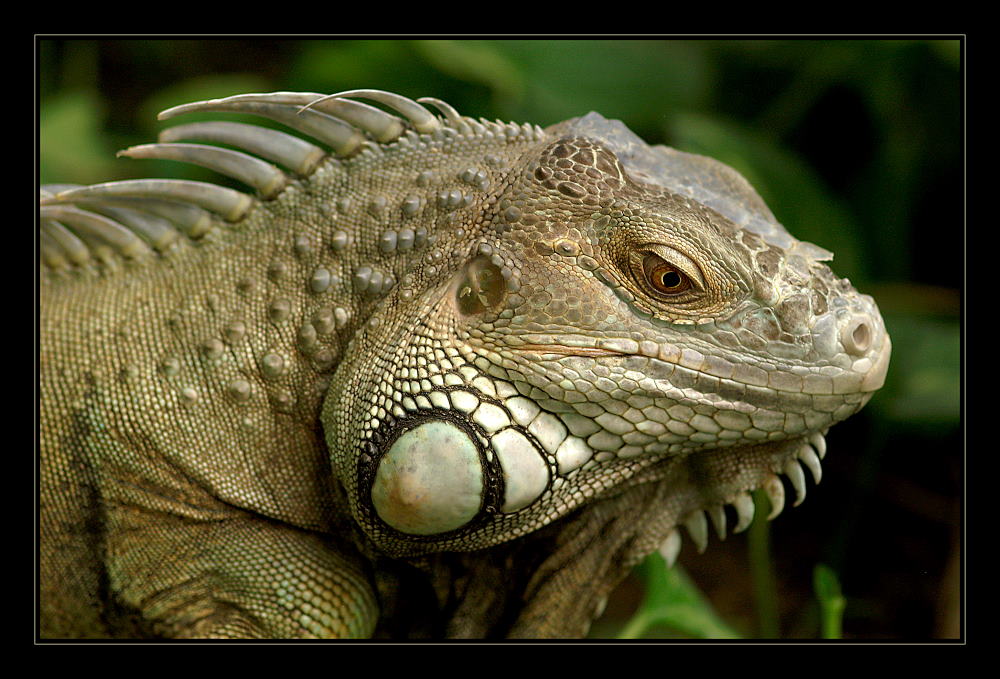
(454, 383)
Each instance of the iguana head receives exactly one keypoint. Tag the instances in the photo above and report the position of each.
(602, 314)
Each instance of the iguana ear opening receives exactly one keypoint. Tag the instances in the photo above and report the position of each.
(480, 287)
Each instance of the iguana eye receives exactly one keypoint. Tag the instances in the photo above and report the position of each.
(664, 277)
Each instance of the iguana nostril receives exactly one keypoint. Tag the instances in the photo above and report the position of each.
(857, 336)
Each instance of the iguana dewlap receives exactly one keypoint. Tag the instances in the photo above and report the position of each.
(424, 376)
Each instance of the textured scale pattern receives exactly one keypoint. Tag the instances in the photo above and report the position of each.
(428, 376)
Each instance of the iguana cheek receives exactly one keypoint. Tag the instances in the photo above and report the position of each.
(525, 474)
(430, 480)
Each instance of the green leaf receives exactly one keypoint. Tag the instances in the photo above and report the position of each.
(831, 601)
(762, 569)
(923, 386)
(674, 601)
(950, 51)
(71, 148)
(474, 61)
(634, 80)
(333, 65)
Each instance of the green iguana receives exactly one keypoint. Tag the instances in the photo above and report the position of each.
(430, 377)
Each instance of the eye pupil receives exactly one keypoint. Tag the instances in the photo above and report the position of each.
(670, 279)
(663, 277)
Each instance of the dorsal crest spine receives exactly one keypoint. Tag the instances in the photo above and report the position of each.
(132, 218)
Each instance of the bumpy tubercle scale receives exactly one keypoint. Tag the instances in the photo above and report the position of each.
(480, 283)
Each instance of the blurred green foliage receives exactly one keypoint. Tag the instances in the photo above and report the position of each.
(854, 144)
(831, 600)
(673, 606)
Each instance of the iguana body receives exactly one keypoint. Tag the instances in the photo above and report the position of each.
(453, 378)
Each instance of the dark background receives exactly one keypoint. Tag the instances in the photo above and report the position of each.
(856, 145)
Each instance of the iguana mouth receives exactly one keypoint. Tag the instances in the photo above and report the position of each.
(569, 351)
(870, 380)
(763, 473)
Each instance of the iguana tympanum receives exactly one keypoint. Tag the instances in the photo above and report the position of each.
(431, 377)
